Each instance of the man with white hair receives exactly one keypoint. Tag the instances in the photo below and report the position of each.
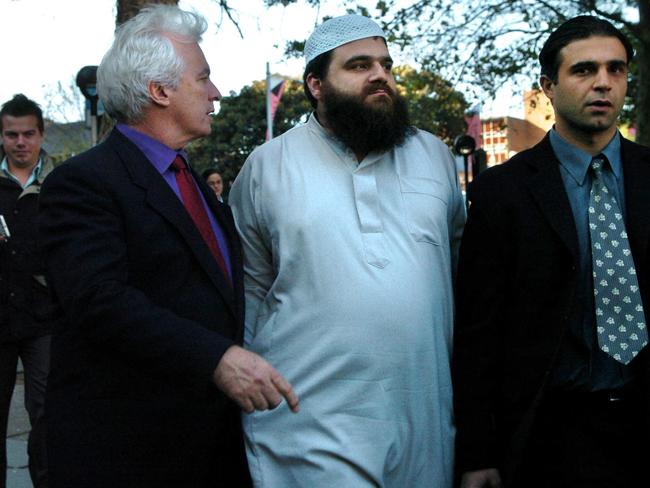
(147, 375)
(350, 225)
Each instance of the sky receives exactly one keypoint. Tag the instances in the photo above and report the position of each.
(46, 42)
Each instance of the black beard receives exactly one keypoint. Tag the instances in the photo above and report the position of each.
(365, 128)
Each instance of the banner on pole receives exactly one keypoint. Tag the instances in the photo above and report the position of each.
(275, 90)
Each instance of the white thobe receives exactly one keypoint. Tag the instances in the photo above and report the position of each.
(348, 270)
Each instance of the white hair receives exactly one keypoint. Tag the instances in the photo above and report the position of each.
(141, 53)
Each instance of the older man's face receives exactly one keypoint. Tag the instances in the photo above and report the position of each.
(192, 102)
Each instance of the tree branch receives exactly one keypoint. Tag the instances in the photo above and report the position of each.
(228, 11)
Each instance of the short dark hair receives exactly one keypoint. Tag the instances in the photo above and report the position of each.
(318, 67)
(21, 106)
(577, 28)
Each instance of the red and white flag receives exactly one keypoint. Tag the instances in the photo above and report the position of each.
(274, 90)
(473, 121)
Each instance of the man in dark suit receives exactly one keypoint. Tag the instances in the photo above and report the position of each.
(550, 360)
(147, 375)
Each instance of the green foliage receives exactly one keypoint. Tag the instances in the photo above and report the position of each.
(433, 103)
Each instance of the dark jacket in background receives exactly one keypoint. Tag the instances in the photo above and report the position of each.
(26, 308)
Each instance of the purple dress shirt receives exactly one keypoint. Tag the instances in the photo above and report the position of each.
(161, 157)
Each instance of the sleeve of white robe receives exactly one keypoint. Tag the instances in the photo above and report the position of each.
(244, 198)
(457, 217)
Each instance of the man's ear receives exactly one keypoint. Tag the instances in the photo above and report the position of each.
(315, 86)
(548, 87)
(159, 94)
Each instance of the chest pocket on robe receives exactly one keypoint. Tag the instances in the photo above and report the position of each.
(425, 202)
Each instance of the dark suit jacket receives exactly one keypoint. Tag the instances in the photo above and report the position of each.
(517, 277)
(148, 316)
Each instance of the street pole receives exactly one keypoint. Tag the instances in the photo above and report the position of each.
(466, 164)
(465, 145)
(269, 116)
(93, 122)
(87, 83)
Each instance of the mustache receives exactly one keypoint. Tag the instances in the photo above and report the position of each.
(379, 86)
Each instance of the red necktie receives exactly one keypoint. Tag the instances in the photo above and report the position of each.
(196, 209)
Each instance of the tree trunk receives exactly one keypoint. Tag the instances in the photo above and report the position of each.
(129, 8)
(643, 88)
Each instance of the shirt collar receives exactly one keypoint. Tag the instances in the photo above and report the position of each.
(160, 155)
(4, 167)
(344, 151)
(314, 124)
(576, 161)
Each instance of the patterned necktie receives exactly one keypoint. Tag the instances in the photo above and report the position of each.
(620, 321)
(196, 209)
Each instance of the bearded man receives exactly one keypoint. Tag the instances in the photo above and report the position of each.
(350, 225)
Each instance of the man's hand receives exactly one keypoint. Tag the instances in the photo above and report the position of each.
(252, 382)
(483, 478)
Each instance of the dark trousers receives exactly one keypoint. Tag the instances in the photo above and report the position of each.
(587, 440)
(35, 356)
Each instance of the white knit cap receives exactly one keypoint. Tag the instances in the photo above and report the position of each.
(338, 31)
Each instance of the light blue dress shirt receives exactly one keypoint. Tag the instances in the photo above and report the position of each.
(582, 366)
(4, 167)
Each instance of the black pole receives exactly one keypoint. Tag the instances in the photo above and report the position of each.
(465, 146)
(87, 83)
(465, 158)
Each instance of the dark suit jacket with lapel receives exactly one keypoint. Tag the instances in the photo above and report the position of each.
(516, 281)
(148, 317)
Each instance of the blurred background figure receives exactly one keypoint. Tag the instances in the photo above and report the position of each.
(214, 181)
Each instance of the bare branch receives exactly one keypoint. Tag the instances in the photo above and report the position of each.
(228, 10)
